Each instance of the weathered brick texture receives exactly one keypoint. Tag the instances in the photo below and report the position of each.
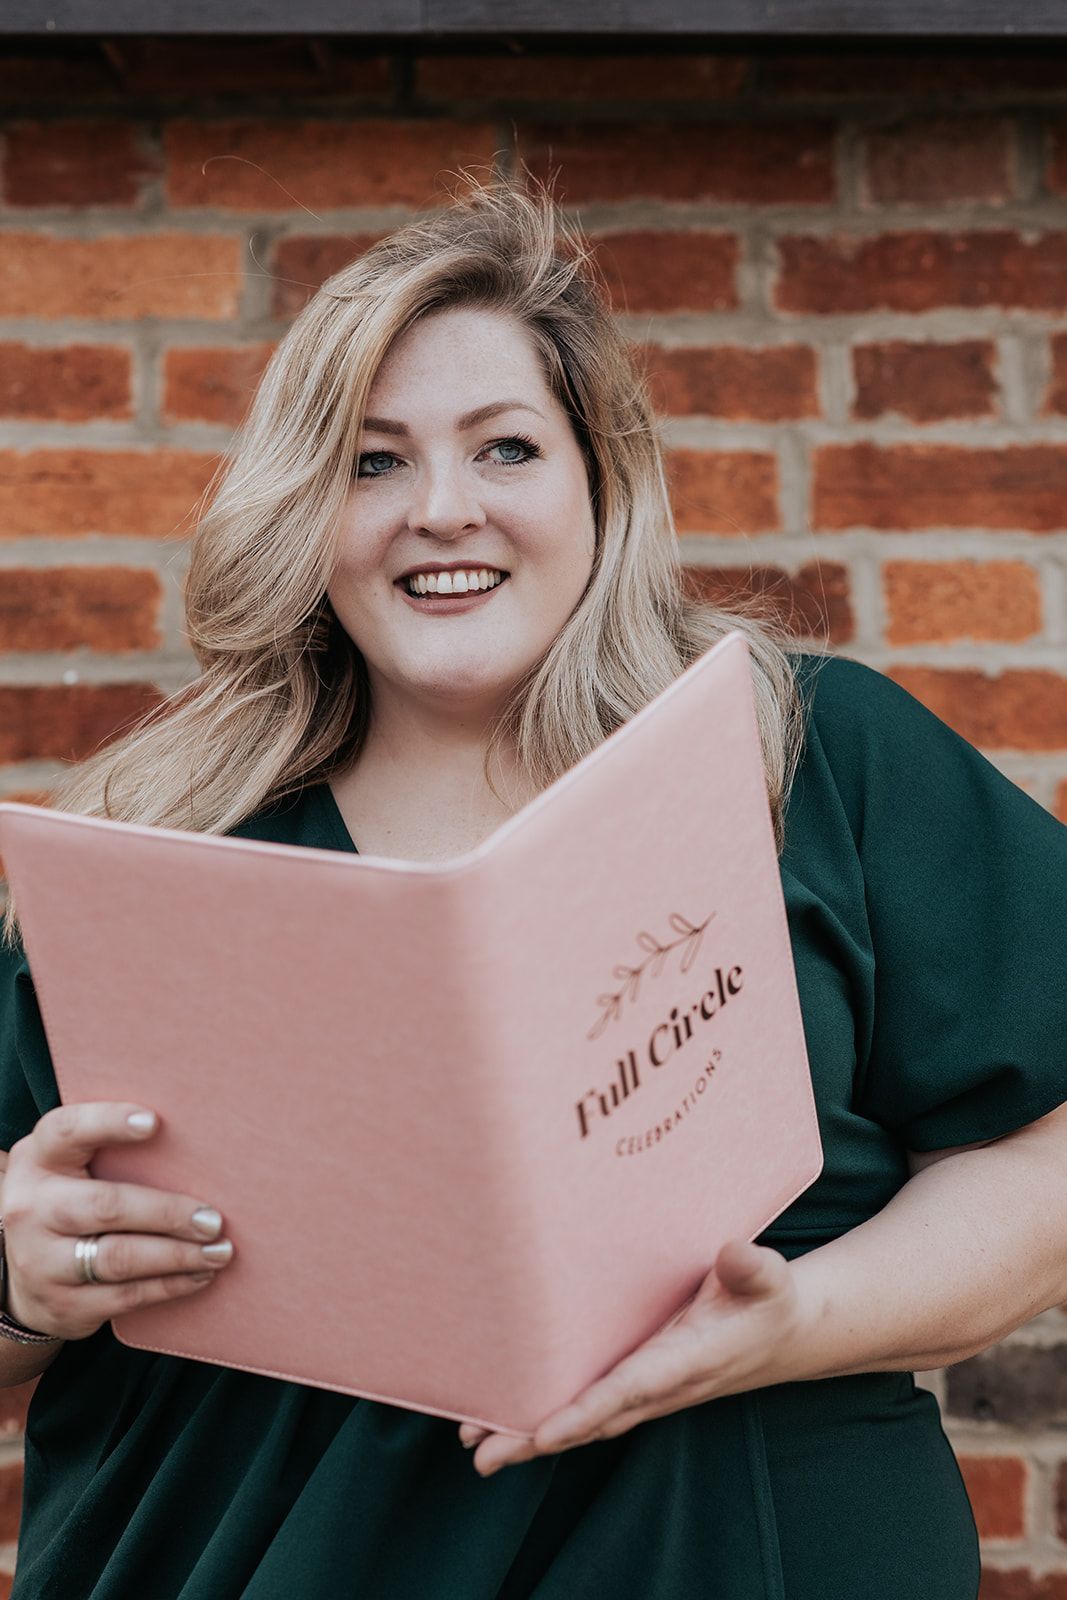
(120, 277)
(206, 385)
(65, 383)
(919, 486)
(665, 271)
(715, 491)
(276, 166)
(70, 492)
(925, 381)
(80, 163)
(1020, 1583)
(68, 608)
(996, 1486)
(61, 722)
(845, 273)
(768, 385)
(928, 160)
(745, 163)
(922, 269)
(929, 602)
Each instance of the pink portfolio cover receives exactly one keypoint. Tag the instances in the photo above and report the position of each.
(477, 1127)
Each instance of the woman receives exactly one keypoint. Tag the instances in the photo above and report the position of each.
(459, 398)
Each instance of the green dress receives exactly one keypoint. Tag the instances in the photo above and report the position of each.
(927, 901)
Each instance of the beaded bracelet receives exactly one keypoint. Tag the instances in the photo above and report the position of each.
(9, 1328)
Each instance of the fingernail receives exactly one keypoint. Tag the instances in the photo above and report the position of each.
(207, 1220)
(203, 1277)
(141, 1121)
(222, 1251)
(468, 1444)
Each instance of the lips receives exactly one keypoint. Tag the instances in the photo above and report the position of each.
(443, 604)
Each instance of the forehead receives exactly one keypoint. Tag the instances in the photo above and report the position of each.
(459, 358)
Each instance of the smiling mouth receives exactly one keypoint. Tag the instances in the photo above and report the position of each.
(431, 600)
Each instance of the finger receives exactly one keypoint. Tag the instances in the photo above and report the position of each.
(471, 1434)
(750, 1270)
(121, 1257)
(501, 1450)
(67, 1138)
(651, 1377)
(95, 1205)
(74, 1313)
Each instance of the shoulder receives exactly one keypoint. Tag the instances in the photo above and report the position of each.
(899, 769)
(860, 714)
(883, 751)
(837, 689)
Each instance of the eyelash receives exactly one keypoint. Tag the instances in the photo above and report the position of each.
(528, 445)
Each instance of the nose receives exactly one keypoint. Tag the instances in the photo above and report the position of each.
(444, 500)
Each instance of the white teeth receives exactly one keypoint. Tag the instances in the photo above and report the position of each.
(462, 582)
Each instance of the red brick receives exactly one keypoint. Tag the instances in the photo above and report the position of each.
(1056, 170)
(67, 608)
(147, 493)
(813, 602)
(583, 78)
(724, 491)
(66, 383)
(925, 381)
(1024, 709)
(294, 65)
(66, 722)
(32, 73)
(10, 1500)
(912, 486)
(210, 385)
(304, 262)
(1060, 803)
(752, 163)
(68, 163)
(936, 159)
(652, 271)
(1020, 1583)
(938, 601)
(121, 277)
(1055, 403)
(1014, 1384)
(14, 1401)
(996, 1486)
(281, 165)
(862, 74)
(770, 385)
(922, 270)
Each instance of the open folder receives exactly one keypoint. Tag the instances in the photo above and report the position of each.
(479, 1127)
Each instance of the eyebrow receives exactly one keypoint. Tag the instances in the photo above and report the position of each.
(470, 419)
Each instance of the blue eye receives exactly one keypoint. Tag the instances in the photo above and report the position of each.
(375, 455)
(515, 450)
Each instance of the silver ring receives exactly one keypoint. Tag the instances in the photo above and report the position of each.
(85, 1251)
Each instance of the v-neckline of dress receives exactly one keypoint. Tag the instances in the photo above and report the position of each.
(333, 818)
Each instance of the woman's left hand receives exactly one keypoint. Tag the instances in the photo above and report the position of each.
(738, 1333)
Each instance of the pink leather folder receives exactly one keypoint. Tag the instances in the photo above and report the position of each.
(479, 1127)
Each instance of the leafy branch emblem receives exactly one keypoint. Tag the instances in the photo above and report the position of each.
(689, 937)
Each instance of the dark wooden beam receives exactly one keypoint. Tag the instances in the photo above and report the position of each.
(560, 19)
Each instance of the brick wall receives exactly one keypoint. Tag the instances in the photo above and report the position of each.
(847, 275)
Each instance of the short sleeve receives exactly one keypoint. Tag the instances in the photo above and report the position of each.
(965, 879)
(27, 1078)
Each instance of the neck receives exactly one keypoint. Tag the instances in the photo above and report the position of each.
(435, 753)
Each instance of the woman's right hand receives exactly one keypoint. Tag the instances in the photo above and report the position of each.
(152, 1243)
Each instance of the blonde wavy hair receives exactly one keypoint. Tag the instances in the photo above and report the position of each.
(282, 698)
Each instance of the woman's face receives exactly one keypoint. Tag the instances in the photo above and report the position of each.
(439, 486)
